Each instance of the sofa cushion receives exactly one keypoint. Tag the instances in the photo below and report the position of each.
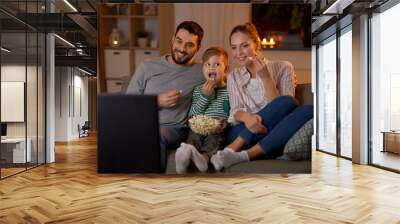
(304, 94)
(299, 145)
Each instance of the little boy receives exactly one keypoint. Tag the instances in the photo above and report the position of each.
(210, 99)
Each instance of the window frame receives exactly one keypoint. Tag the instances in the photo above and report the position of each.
(378, 10)
(341, 27)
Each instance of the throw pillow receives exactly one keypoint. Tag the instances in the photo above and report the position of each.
(299, 145)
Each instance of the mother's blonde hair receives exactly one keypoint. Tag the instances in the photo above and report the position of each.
(249, 29)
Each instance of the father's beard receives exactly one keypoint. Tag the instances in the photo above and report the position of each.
(185, 59)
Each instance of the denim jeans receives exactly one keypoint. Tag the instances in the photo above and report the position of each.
(209, 144)
(282, 117)
(170, 137)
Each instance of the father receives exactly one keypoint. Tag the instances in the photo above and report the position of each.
(172, 78)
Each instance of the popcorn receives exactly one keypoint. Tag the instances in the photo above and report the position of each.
(204, 125)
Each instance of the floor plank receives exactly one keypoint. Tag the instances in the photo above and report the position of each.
(71, 191)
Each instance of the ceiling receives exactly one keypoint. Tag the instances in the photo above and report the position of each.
(39, 6)
(77, 27)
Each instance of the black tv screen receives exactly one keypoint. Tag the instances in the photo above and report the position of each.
(283, 26)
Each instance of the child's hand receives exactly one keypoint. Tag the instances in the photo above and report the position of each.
(222, 127)
(208, 87)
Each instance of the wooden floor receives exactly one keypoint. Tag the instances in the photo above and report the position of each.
(71, 191)
(10, 171)
(5, 172)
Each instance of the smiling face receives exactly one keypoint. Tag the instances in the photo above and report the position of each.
(184, 47)
(214, 68)
(243, 47)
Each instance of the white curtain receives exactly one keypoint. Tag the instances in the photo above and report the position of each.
(216, 19)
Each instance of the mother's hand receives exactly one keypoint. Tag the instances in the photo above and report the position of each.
(253, 122)
(269, 83)
(258, 62)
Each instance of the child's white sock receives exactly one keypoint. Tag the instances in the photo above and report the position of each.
(182, 158)
(217, 162)
(229, 157)
(198, 159)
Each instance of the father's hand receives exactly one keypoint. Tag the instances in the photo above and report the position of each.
(168, 98)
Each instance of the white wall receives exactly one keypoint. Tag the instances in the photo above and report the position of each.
(62, 81)
(301, 60)
(217, 20)
(14, 73)
(81, 104)
(71, 94)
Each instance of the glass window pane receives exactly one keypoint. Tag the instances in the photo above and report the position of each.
(385, 114)
(346, 94)
(41, 98)
(23, 88)
(327, 96)
(13, 86)
(31, 101)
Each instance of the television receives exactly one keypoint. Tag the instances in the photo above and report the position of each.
(3, 129)
(283, 26)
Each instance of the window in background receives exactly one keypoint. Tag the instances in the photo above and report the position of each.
(385, 87)
(31, 100)
(346, 93)
(22, 67)
(15, 150)
(41, 85)
(327, 95)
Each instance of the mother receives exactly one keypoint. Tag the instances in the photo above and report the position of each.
(263, 112)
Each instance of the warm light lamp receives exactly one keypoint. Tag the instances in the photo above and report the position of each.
(270, 43)
(114, 40)
(264, 42)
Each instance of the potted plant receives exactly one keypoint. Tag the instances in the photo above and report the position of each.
(142, 38)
